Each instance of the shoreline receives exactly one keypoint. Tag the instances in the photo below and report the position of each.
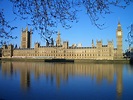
(121, 61)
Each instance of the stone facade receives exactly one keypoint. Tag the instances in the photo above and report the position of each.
(65, 51)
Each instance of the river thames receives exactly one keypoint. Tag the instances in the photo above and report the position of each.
(65, 81)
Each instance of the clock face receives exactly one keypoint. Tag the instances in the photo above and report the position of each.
(119, 33)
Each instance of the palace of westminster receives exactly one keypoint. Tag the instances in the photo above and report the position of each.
(63, 50)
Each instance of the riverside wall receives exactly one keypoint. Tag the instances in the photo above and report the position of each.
(75, 60)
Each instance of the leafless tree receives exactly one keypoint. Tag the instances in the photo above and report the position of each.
(5, 29)
(46, 15)
(130, 36)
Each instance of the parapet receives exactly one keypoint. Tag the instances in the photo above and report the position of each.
(7, 47)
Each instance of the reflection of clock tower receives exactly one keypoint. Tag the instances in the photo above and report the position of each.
(119, 41)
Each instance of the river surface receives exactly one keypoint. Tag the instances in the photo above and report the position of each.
(65, 81)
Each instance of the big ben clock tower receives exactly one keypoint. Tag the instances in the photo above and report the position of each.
(119, 41)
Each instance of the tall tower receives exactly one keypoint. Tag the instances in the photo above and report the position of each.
(119, 41)
(26, 38)
(58, 40)
(92, 43)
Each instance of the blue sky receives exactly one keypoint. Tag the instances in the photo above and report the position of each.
(83, 31)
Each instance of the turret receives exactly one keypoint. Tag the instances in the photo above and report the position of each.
(37, 45)
(7, 51)
(99, 43)
(110, 43)
(65, 44)
(4, 47)
(58, 40)
(92, 43)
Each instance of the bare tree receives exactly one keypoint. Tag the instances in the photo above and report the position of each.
(130, 36)
(46, 15)
(5, 29)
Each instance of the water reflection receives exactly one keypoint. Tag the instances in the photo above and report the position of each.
(0, 67)
(25, 79)
(62, 72)
(130, 68)
(7, 68)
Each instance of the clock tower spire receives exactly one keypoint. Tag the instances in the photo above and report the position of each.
(119, 41)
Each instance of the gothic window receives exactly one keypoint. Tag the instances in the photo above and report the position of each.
(23, 39)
